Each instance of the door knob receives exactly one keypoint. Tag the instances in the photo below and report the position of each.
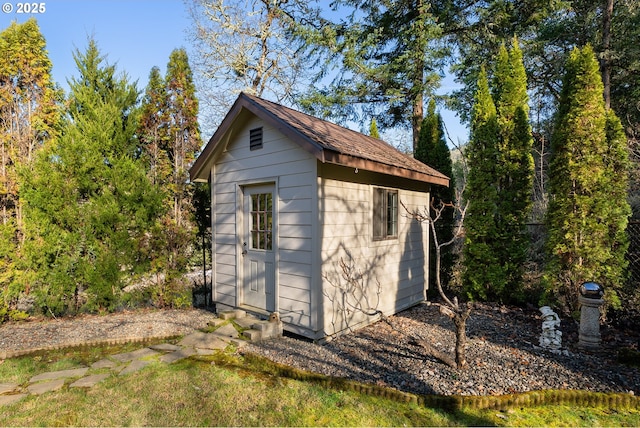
(244, 248)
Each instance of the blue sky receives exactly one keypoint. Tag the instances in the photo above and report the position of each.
(134, 34)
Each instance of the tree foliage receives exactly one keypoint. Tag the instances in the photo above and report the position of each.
(88, 201)
(588, 209)
(515, 168)
(170, 137)
(482, 273)
(432, 150)
(386, 57)
(29, 117)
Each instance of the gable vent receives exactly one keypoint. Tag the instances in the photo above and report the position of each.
(255, 139)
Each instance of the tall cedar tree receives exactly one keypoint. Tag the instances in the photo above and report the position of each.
(171, 138)
(154, 130)
(482, 270)
(28, 119)
(88, 201)
(432, 150)
(389, 58)
(183, 130)
(515, 170)
(588, 180)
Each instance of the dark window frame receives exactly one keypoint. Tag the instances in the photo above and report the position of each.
(385, 214)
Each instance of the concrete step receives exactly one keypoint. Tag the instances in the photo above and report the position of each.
(252, 335)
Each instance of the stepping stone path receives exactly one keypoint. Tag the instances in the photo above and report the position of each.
(197, 343)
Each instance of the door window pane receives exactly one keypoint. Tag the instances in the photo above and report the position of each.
(261, 221)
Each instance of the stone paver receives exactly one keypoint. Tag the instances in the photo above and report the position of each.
(42, 387)
(134, 355)
(89, 381)
(203, 340)
(5, 400)
(8, 388)
(196, 343)
(134, 366)
(177, 355)
(227, 331)
(104, 363)
(61, 374)
(165, 347)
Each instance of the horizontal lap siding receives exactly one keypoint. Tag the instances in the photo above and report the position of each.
(395, 268)
(295, 172)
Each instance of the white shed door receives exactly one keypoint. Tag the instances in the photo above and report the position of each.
(258, 248)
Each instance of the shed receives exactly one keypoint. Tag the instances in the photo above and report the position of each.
(313, 220)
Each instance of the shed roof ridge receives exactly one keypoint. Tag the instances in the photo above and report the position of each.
(324, 140)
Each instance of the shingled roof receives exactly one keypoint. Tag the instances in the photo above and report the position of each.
(328, 142)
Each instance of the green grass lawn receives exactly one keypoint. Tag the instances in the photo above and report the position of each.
(225, 390)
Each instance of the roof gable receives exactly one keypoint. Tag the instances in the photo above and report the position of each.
(328, 142)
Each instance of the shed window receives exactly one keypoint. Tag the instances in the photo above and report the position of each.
(255, 139)
(385, 213)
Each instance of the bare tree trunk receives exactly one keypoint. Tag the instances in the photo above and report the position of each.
(456, 312)
(460, 321)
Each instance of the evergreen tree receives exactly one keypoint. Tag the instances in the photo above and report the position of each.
(153, 132)
(588, 209)
(373, 129)
(432, 150)
(482, 270)
(28, 119)
(389, 55)
(170, 135)
(183, 131)
(88, 201)
(515, 169)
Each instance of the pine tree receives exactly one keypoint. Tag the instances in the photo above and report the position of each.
(482, 270)
(588, 178)
(515, 169)
(432, 150)
(88, 201)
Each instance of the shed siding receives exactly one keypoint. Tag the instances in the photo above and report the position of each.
(294, 171)
(397, 265)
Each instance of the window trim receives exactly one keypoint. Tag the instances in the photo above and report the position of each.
(385, 214)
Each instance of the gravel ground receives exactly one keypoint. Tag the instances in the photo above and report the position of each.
(502, 353)
(122, 326)
(502, 349)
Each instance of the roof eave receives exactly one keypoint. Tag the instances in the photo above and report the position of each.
(369, 165)
(198, 171)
